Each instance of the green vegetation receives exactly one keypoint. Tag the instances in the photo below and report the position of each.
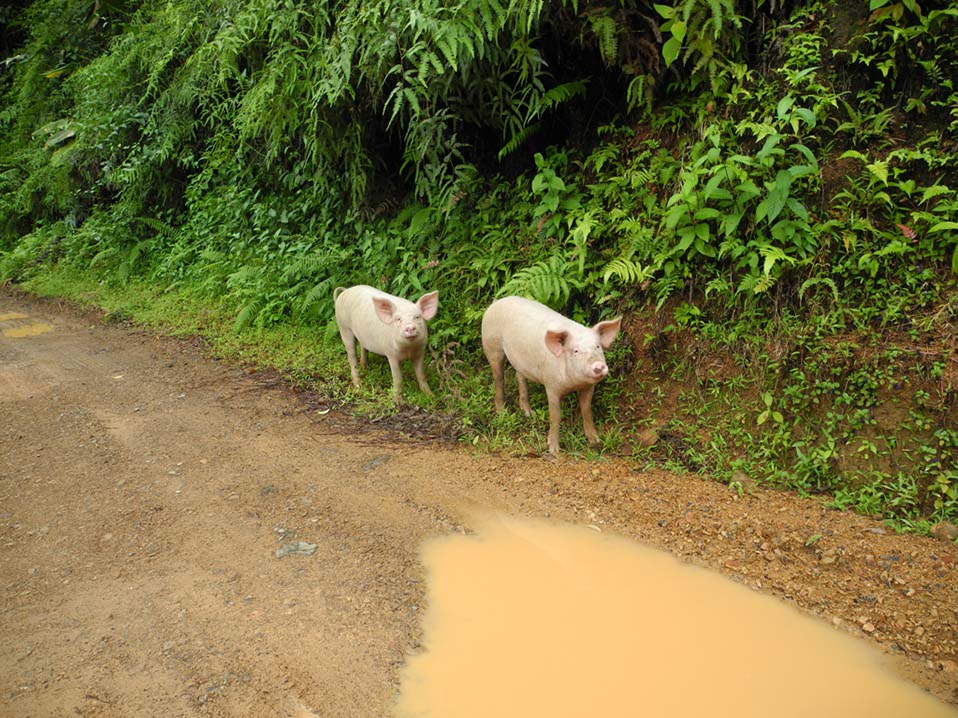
(767, 190)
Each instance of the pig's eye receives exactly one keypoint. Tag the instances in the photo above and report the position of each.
(418, 316)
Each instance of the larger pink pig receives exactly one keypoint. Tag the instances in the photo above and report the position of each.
(548, 348)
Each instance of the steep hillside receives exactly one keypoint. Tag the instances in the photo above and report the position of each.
(766, 190)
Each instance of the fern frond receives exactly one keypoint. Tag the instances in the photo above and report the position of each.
(549, 281)
(606, 32)
(625, 270)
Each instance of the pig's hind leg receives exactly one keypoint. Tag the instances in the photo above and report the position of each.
(497, 362)
(524, 394)
(349, 340)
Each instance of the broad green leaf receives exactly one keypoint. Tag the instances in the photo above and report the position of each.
(934, 191)
(768, 147)
(60, 137)
(807, 153)
(807, 115)
(942, 226)
(798, 208)
(797, 171)
(421, 219)
(665, 11)
(784, 105)
(747, 190)
(688, 236)
(671, 49)
(731, 223)
(772, 205)
(804, 73)
(678, 29)
(704, 249)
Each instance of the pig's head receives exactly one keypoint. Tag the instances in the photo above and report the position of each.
(581, 349)
(409, 319)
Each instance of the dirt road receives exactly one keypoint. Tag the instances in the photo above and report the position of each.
(145, 488)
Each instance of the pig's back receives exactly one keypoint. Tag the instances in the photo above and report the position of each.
(355, 311)
(519, 325)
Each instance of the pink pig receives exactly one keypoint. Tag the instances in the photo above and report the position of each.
(546, 347)
(390, 326)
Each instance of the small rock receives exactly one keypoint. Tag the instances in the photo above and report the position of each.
(648, 437)
(740, 478)
(868, 627)
(733, 564)
(376, 461)
(945, 531)
(948, 666)
(880, 532)
(299, 548)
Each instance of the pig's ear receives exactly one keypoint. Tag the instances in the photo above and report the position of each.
(384, 309)
(606, 331)
(556, 341)
(428, 304)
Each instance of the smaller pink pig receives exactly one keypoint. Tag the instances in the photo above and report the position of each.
(546, 347)
(390, 326)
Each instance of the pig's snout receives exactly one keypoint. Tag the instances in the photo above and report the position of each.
(599, 369)
(410, 331)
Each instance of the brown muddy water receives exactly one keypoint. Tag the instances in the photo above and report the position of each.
(538, 620)
(20, 325)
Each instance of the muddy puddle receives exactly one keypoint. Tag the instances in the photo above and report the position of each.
(17, 328)
(537, 620)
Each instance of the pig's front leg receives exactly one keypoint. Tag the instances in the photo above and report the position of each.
(555, 416)
(585, 407)
(362, 356)
(417, 365)
(394, 366)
